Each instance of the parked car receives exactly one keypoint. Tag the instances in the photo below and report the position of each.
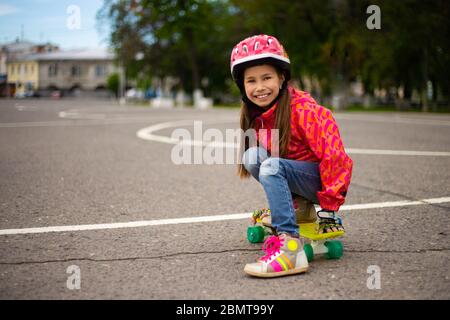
(134, 94)
(56, 94)
(19, 95)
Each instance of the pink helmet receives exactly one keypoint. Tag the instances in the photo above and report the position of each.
(257, 50)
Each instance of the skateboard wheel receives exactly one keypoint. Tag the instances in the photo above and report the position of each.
(255, 234)
(309, 252)
(335, 249)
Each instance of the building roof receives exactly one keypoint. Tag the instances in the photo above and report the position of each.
(25, 47)
(77, 55)
(18, 46)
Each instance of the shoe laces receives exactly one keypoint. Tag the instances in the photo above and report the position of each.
(271, 247)
(258, 213)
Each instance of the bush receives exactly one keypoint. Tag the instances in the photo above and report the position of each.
(113, 82)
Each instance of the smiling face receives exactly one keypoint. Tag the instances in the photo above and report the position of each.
(262, 84)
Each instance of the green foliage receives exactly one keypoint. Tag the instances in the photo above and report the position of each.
(113, 83)
(326, 40)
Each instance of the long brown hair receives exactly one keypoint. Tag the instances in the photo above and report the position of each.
(282, 123)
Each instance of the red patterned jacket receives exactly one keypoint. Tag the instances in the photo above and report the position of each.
(314, 137)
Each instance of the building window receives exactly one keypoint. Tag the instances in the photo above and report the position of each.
(53, 70)
(75, 71)
(100, 70)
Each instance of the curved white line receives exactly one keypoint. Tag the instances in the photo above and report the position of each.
(148, 134)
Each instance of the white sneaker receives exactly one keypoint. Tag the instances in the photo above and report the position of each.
(284, 256)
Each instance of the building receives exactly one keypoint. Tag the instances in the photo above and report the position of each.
(22, 76)
(73, 73)
(12, 51)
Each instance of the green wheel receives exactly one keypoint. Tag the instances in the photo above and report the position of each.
(335, 249)
(309, 252)
(255, 234)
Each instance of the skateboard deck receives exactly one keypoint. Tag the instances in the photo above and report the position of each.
(310, 231)
(307, 230)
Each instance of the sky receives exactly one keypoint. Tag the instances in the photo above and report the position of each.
(71, 24)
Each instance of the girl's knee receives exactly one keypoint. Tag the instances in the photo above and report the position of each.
(270, 167)
(252, 157)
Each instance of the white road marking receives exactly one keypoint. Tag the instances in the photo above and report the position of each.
(236, 216)
(148, 134)
(68, 122)
(391, 119)
(68, 114)
(76, 115)
(397, 152)
(394, 118)
(72, 123)
(25, 108)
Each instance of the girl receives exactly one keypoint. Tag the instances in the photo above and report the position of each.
(312, 166)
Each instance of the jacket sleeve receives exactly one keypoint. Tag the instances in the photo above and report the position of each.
(322, 135)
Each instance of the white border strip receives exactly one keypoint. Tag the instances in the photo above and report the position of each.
(236, 216)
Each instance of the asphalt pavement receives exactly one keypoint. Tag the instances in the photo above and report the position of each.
(132, 224)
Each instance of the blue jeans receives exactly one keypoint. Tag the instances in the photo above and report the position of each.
(280, 179)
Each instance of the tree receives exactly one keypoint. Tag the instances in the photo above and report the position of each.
(112, 83)
(181, 38)
(326, 40)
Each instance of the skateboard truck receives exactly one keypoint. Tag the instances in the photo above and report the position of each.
(330, 249)
(257, 232)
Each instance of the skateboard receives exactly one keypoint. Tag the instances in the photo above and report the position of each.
(319, 244)
(323, 243)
